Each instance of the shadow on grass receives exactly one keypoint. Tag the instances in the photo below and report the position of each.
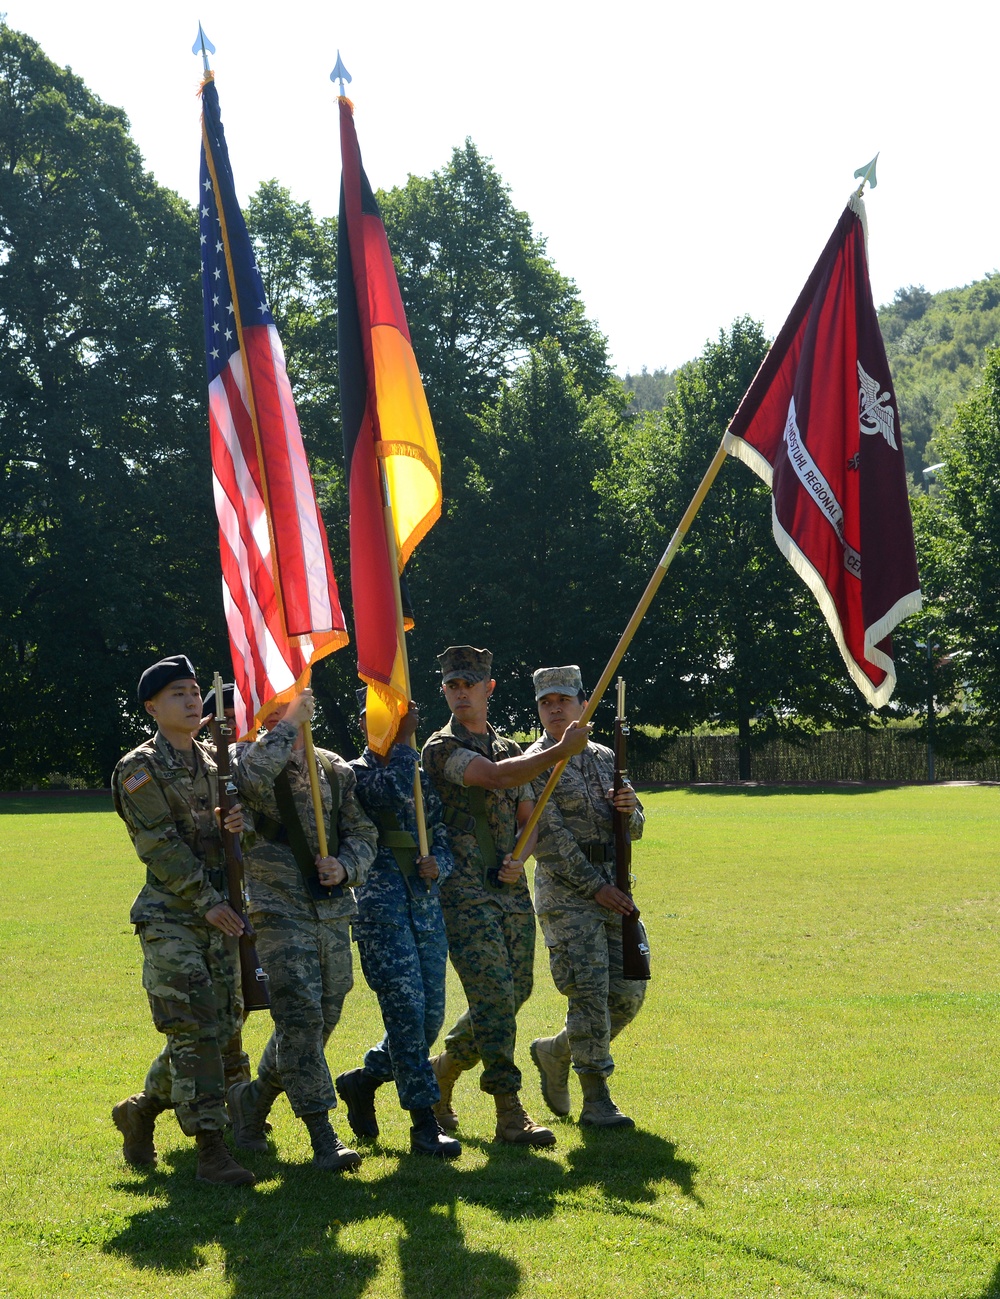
(992, 1290)
(284, 1238)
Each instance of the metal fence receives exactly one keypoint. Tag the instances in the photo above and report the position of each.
(890, 755)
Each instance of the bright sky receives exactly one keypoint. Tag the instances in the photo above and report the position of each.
(685, 163)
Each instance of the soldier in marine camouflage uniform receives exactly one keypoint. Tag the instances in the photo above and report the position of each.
(401, 941)
(482, 779)
(580, 908)
(301, 911)
(166, 792)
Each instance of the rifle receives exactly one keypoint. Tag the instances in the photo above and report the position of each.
(252, 975)
(635, 948)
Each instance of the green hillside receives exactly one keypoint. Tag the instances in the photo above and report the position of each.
(937, 343)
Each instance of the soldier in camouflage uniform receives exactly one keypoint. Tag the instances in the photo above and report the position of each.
(402, 944)
(166, 793)
(235, 1061)
(301, 907)
(580, 908)
(483, 780)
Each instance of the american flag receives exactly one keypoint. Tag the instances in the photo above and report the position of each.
(279, 593)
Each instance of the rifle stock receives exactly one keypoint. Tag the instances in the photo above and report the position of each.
(253, 978)
(635, 949)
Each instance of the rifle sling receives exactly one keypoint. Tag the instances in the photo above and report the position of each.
(296, 835)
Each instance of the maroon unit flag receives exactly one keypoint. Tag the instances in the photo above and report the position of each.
(820, 425)
(279, 593)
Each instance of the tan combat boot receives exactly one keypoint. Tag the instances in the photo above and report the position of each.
(447, 1072)
(216, 1164)
(515, 1127)
(599, 1110)
(552, 1060)
(134, 1118)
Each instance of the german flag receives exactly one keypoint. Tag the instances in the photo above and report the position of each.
(392, 463)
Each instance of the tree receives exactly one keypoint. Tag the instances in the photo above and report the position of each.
(531, 578)
(733, 637)
(107, 530)
(958, 546)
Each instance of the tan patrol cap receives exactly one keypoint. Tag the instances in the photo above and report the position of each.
(465, 662)
(558, 681)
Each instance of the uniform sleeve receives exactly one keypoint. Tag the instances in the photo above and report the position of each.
(561, 855)
(144, 808)
(257, 765)
(440, 840)
(358, 835)
(636, 822)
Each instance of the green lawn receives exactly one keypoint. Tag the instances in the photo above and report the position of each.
(814, 1075)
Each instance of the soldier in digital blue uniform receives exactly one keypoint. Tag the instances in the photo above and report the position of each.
(401, 940)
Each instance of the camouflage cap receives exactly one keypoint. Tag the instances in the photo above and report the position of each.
(558, 681)
(362, 694)
(159, 675)
(465, 662)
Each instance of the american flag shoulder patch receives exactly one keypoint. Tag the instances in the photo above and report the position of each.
(136, 780)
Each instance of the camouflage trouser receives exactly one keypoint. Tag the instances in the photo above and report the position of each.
(493, 952)
(405, 965)
(585, 956)
(191, 976)
(235, 1068)
(308, 963)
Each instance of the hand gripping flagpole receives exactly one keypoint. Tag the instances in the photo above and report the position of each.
(626, 637)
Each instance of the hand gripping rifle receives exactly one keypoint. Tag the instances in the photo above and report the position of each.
(252, 975)
(635, 949)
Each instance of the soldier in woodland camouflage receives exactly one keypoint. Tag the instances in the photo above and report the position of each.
(483, 780)
(402, 944)
(166, 792)
(301, 906)
(580, 908)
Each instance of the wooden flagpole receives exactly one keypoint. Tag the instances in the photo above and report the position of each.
(626, 637)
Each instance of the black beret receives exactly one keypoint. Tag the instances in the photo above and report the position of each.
(176, 668)
(228, 700)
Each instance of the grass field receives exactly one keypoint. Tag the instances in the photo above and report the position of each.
(815, 1077)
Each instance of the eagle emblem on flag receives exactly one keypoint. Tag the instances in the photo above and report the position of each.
(875, 412)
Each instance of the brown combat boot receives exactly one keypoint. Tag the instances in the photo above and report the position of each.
(216, 1164)
(447, 1072)
(134, 1118)
(515, 1127)
(552, 1060)
(599, 1110)
(249, 1104)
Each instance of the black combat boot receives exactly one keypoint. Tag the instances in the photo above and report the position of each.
(357, 1089)
(427, 1138)
(329, 1152)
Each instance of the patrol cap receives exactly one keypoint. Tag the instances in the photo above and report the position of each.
(176, 668)
(228, 700)
(362, 699)
(558, 681)
(465, 662)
